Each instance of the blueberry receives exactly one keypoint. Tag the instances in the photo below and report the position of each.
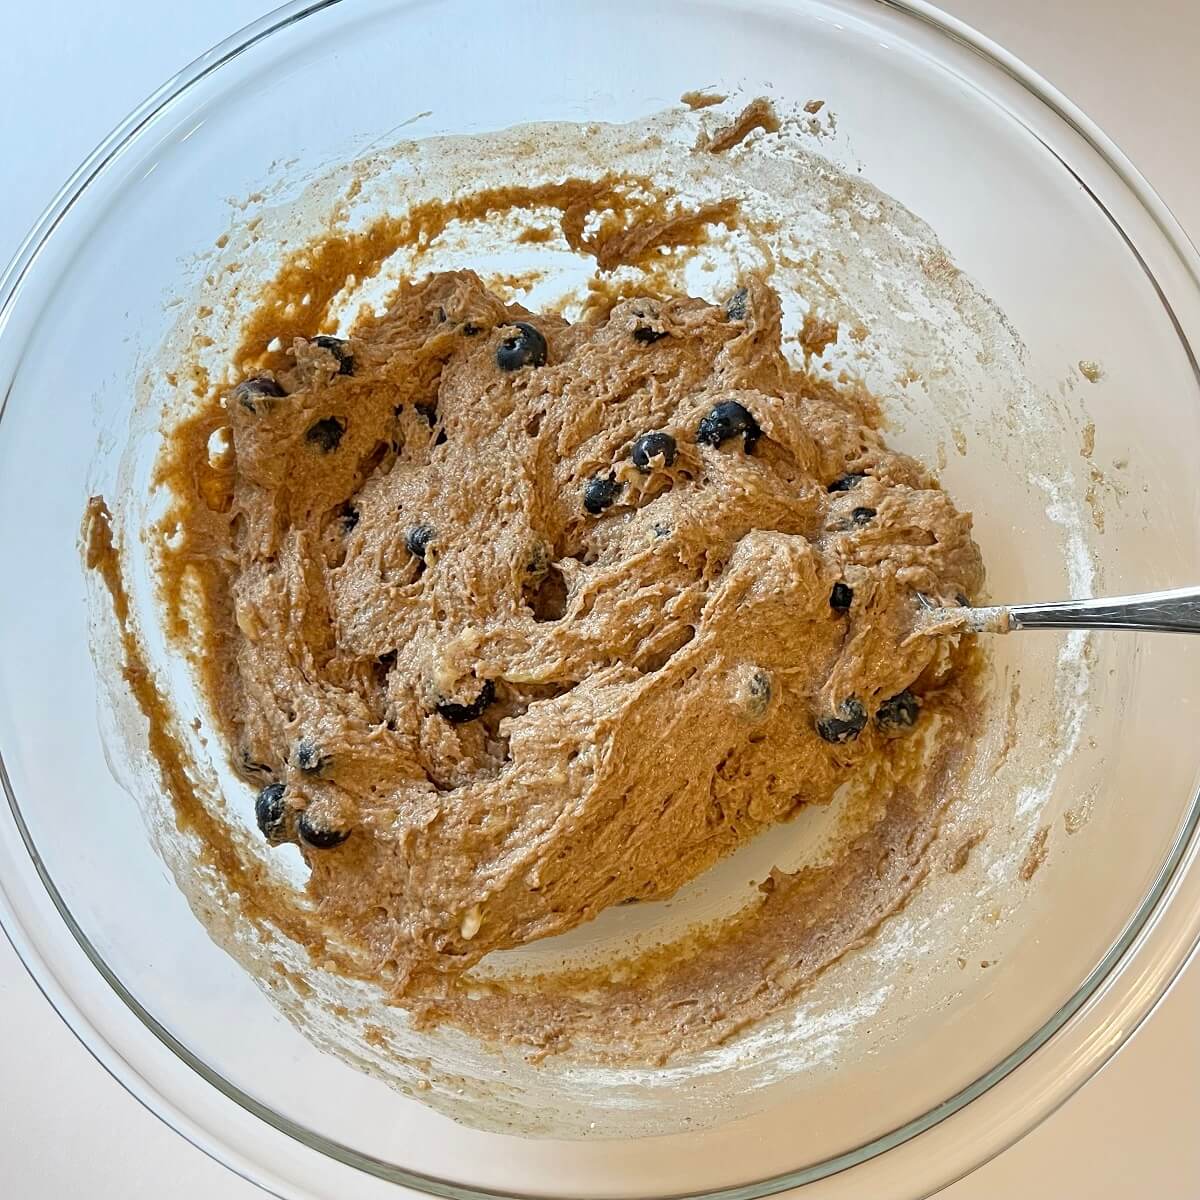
(599, 492)
(525, 348)
(317, 836)
(309, 758)
(737, 304)
(460, 714)
(251, 393)
(847, 726)
(648, 336)
(417, 540)
(649, 446)
(349, 517)
(841, 597)
(845, 483)
(727, 420)
(340, 350)
(861, 516)
(326, 434)
(270, 812)
(899, 713)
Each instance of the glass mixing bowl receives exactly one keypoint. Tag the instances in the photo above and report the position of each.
(1006, 982)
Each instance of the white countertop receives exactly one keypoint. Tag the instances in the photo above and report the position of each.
(68, 72)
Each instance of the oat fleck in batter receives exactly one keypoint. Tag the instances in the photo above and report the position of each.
(521, 619)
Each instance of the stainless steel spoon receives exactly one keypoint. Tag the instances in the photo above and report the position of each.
(1176, 611)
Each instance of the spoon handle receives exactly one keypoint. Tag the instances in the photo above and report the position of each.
(1176, 611)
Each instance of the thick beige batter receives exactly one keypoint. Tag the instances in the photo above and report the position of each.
(497, 665)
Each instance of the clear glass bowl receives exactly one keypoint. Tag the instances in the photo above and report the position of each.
(1003, 994)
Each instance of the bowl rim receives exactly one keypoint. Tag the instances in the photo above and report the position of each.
(1176, 884)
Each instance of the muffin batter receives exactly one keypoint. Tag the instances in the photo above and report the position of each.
(514, 620)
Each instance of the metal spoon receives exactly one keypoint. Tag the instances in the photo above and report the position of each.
(1176, 611)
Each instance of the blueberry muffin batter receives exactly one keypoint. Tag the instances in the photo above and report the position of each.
(513, 620)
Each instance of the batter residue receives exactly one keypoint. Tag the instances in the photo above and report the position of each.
(506, 620)
(515, 620)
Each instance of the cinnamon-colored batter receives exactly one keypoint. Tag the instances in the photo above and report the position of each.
(518, 619)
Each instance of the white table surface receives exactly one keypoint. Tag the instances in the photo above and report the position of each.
(69, 70)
